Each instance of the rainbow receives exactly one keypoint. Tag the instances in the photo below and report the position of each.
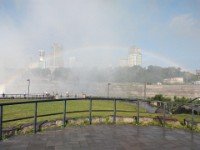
(164, 59)
(149, 53)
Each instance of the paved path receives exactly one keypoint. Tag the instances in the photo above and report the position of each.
(106, 137)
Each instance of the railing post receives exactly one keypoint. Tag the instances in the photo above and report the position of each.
(138, 112)
(90, 111)
(164, 112)
(114, 115)
(192, 115)
(1, 122)
(64, 113)
(35, 118)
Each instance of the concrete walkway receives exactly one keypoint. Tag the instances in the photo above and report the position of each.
(106, 137)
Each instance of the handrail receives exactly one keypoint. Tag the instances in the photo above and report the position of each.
(39, 101)
(90, 110)
(67, 99)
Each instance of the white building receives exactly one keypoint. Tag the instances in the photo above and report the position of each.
(42, 61)
(135, 57)
(176, 80)
(56, 56)
(196, 82)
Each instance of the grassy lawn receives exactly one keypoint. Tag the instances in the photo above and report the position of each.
(25, 110)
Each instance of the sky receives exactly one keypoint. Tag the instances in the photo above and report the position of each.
(101, 32)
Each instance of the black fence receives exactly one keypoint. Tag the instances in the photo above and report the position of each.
(166, 108)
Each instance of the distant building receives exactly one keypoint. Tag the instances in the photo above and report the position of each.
(123, 63)
(134, 58)
(56, 56)
(196, 82)
(176, 80)
(42, 61)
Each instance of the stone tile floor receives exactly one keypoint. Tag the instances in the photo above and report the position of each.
(106, 137)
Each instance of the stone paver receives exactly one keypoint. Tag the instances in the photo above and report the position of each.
(105, 137)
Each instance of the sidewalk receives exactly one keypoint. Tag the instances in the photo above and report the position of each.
(105, 137)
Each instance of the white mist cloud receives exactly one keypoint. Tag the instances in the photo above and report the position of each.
(12, 49)
(74, 23)
(37, 24)
(27, 26)
(86, 27)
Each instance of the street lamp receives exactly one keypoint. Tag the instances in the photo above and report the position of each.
(28, 86)
(108, 90)
(145, 90)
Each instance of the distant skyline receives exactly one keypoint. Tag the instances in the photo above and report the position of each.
(100, 32)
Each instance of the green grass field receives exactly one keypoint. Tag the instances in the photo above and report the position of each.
(25, 110)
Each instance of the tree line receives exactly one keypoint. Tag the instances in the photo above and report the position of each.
(138, 74)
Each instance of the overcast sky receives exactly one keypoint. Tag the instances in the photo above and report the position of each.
(100, 32)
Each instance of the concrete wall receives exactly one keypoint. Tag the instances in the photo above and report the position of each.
(133, 90)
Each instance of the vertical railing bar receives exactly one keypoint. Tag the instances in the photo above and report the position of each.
(64, 113)
(1, 122)
(90, 111)
(114, 116)
(171, 107)
(35, 118)
(164, 113)
(138, 112)
(192, 115)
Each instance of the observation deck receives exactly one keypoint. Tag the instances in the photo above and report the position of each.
(106, 137)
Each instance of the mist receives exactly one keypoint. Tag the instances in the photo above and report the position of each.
(94, 35)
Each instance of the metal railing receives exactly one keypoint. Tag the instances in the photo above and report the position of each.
(136, 101)
(25, 96)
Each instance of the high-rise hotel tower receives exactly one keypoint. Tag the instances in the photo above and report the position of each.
(135, 57)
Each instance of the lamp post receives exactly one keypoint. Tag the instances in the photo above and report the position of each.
(145, 90)
(108, 90)
(28, 86)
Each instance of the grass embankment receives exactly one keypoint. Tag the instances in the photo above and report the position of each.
(25, 110)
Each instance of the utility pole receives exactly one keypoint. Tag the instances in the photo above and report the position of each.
(145, 90)
(28, 86)
(108, 90)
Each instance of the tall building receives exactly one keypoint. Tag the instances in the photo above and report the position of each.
(56, 56)
(42, 61)
(135, 57)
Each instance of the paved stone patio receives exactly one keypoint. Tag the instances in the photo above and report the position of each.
(106, 137)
